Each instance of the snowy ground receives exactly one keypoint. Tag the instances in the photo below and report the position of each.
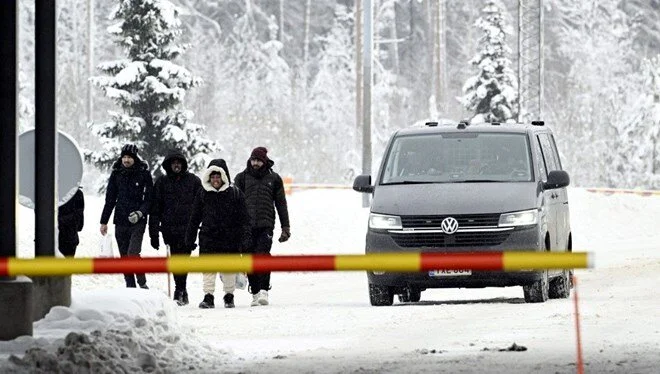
(322, 322)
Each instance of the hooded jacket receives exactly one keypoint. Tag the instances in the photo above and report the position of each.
(70, 220)
(129, 189)
(172, 201)
(264, 192)
(222, 214)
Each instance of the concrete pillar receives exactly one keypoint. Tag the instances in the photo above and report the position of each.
(16, 302)
(49, 292)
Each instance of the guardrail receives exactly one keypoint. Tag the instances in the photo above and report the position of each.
(609, 191)
(403, 262)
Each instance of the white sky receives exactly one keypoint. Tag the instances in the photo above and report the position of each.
(322, 322)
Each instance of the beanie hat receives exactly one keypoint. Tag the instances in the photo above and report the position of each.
(129, 150)
(260, 153)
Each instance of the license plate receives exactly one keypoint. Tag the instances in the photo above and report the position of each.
(449, 273)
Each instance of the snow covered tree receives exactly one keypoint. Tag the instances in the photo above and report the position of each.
(492, 94)
(149, 88)
(330, 103)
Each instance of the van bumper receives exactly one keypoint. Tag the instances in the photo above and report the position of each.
(519, 240)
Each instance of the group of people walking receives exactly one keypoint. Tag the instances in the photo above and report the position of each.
(229, 217)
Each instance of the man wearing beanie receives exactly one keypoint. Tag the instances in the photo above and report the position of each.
(264, 193)
(128, 194)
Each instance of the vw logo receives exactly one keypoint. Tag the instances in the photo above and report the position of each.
(449, 225)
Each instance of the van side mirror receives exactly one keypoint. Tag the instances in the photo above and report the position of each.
(362, 183)
(557, 179)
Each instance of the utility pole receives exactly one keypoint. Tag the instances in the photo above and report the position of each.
(358, 67)
(366, 101)
(530, 60)
(90, 59)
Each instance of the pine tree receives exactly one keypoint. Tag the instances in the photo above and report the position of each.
(492, 94)
(149, 88)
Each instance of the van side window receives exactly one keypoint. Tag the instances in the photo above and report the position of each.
(555, 151)
(541, 161)
(549, 152)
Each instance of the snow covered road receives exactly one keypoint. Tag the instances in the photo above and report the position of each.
(322, 322)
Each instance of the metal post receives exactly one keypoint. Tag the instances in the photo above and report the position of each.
(8, 142)
(366, 101)
(45, 129)
(90, 58)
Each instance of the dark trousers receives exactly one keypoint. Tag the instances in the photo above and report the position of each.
(129, 241)
(180, 280)
(262, 241)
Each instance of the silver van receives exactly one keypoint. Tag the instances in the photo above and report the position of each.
(468, 188)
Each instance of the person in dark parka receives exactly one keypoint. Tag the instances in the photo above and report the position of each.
(70, 221)
(264, 192)
(128, 194)
(171, 204)
(220, 209)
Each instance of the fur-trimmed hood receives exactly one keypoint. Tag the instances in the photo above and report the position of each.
(219, 166)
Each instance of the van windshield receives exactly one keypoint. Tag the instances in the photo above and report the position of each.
(458, 157)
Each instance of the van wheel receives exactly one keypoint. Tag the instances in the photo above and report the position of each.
(380, 295)
(410, 295)
(537, 292)
(560, 287)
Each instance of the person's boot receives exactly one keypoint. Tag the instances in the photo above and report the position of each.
(177, 296)
(184, 297)
(255, 300)
(262, 298)
(208, 302)
(229, 300)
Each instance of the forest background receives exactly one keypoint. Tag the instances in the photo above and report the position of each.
(285, 69)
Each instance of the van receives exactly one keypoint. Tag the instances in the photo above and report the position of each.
(468, 188)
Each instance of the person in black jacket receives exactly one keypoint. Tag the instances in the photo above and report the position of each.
(220, 208)
(263, 189)
(70, 221)
(129, 194)
(171, 204)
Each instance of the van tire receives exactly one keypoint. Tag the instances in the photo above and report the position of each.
(410, 295)
(560, 287)
(537, 292)
(380, 295)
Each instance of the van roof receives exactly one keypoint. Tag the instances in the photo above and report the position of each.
(445, 127)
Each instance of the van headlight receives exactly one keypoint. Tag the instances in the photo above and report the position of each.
(523, 218)
(384, 222)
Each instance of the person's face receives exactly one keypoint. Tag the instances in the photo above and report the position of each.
(256, 164)
(127, 161)
(177, 165)
(216, 181)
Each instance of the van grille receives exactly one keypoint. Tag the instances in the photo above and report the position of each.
(440, 240)
(466, 220)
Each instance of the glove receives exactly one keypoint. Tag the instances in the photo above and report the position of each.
(154, 242)
(135, 216)
(286, 234)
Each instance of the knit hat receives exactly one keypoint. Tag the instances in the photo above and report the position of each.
(129, 150)
(260, 153)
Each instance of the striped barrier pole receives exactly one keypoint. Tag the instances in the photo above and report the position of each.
(401, 262)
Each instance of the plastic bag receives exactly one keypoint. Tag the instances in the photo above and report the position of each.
(106, 246)
(241, 281)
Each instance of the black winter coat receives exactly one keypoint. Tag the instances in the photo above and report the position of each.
(262, 189)
(70, 220)
(129, 189)
(222, 214)
(172, 202)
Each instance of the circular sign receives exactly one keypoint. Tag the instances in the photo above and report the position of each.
(69, 168)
